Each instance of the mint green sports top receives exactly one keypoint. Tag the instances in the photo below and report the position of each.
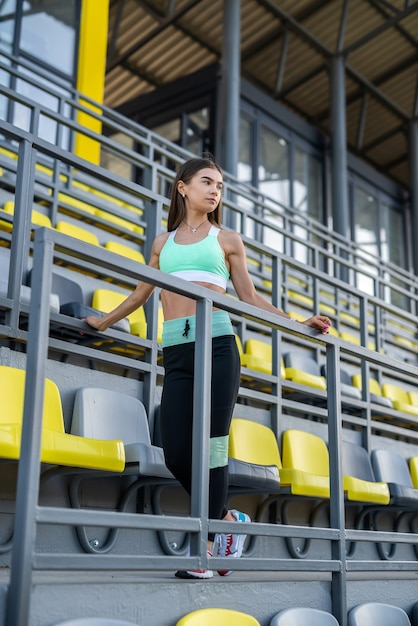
(202, 262)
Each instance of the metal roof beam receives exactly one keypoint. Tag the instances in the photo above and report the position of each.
(362, 121)
(395, 162)
(153, 33)
(383, 137)
(115, 33)
(412, 60)
(381, 29)
(302, 80)
(293, 23)
(405, 33)
(266, 41)
(282, 62)
(133, 69)
(304, 34)
(377, 93)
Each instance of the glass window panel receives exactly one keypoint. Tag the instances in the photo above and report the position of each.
(393, 247)
(170, 130)
(48, 128)
(7, 24)
(115, 163)
(250, 227)
(273, 169)
(393, 251)
(307, 184)
(366, 231)
(196, 124)
(366, 222)
(272, 236)
(245, 168)
(7, 27)
(48, 32)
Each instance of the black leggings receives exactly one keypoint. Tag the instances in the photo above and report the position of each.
(177, 412)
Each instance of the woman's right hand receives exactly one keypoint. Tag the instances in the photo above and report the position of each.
(95, 322)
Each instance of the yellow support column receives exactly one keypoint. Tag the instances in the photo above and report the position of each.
(91, 72)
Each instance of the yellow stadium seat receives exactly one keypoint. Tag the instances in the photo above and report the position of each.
(301, 298)
(374, 390)
(253, 443)
(359, 481)
(125, 251)
(333, 331)
(305, 464)
(413, 469)
(355, 339)
(253, 457)
(399, 398)
(350, 319)
(105, 196)
(38, 218)
(160, 324)
(106, 300)
(258, 356)
(305, 469)
(404, 341)
(297, 316)
(413, 397)
(65, 199)
(326, 309)
(58, 447)
(239, 345)
(77, 232)
(217, 617)
(302, 368)
(115, 223)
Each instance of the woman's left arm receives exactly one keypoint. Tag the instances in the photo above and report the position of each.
(236, 258)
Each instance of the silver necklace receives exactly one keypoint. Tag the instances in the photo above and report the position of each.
(197, 227)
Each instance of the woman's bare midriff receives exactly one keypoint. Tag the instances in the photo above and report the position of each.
(175, 306)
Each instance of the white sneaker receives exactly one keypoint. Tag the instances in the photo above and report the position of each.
(230, 545)
(198, 574)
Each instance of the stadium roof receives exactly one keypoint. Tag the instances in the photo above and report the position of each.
(286, 50)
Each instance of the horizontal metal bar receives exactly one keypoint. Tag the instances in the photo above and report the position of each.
(110, 519)
(131, 562)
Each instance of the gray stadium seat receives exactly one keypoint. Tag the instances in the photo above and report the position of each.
(25, 291)
(107, 411)
(95, 621)
(377, 614)
(392, 468)
(297, 616)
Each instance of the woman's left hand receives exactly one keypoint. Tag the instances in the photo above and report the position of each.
(319, 322)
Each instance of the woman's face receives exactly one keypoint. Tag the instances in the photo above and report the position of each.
(204, 190)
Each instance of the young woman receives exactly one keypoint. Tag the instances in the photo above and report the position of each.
(196, 249)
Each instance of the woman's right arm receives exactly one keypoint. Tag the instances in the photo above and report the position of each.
(135, 300)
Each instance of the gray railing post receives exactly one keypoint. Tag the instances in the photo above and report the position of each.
(19, 594)
(337, 512)
(21, 225)
(201, 422)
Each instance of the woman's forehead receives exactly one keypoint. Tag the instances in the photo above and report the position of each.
(210, 173)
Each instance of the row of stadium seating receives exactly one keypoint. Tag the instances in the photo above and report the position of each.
(97, 441)
(297, 366)
(302, 368)
(365, 614)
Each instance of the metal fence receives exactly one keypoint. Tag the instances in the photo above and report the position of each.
(49, 246)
